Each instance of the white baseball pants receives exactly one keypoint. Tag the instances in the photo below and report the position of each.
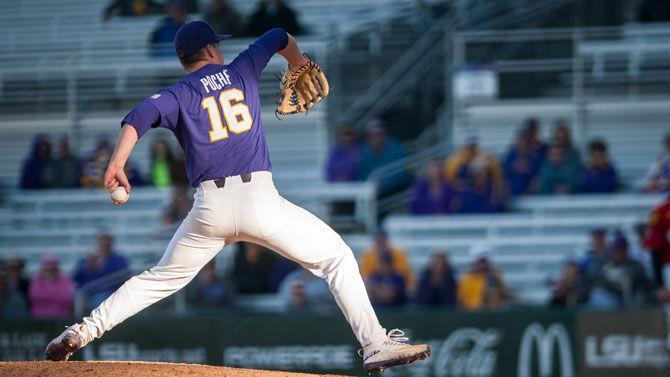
(253, 212)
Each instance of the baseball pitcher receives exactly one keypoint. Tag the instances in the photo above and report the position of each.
(215, 113)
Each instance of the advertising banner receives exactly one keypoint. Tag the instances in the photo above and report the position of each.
(515, 344)
(623, 343)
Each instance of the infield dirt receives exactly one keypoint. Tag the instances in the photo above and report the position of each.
(135, 369)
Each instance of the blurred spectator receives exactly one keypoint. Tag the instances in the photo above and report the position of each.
(381, 150)
(102, 271)
(180, 205)
(224, 19)
(271, 14)
(656, 240)
(558, 175)
(521, 164)
(431, 194)
(32, 173)
(178, 170)
(385, 285)
(481, 193)
(568, 289)
(130, 8)
(13, 288)
(133, 174)
(251, 269)
(371, 258)
(476, 176)
(640, 252)
(537, 146)
(562, 138)
(658, 175)
(437, 284)
(482, 287)
(458, 168)
(162, 160)
(208, 290)
(162, 37)
(302, 290)
(63, 171)
(622, 281)
(596, 256)
(344, 156)
(281, 268)
(51, 293)
(93, 167)
(599, 175)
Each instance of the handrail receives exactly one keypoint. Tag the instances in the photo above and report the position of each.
(379, 97)
(406, 63)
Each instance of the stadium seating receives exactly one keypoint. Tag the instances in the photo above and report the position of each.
(55, 53)
(529, 244)
(633, 129)
(298, 144)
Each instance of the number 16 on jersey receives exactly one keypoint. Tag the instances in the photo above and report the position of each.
(236, 114)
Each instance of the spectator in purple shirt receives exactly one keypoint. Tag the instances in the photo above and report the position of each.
(481, 194)
(102, 270)
(437, 284)
(34, 165)
(599, 174)
(521, 164)
(344, 157)
(161, 38)
(432, 194)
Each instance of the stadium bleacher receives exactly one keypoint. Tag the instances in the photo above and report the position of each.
(50, 48)
(632, 128)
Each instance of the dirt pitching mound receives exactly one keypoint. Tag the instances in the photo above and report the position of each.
(131, 368)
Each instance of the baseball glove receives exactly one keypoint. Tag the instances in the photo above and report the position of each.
(299, 91)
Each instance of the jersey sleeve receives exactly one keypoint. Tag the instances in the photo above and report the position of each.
(252, 60)
(159, 110)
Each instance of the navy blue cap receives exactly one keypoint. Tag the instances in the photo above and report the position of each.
(193, 36)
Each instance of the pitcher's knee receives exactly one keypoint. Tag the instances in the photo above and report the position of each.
(342, 257)
(177, 275)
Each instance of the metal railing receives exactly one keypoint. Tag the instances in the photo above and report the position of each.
(437, 140)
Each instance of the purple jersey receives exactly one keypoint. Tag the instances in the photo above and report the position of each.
(215, 113)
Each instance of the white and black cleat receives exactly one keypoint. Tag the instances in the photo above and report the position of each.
(392, 352)
(68, 342)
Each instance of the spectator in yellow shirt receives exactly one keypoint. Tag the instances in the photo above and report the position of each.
(457, 169)
(483, 286)
(371, 259)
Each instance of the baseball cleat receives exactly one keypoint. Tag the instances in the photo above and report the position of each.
(391, 352)
(70, 341)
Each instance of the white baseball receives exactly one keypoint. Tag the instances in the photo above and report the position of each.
(120, 195)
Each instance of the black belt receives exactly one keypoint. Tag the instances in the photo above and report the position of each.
(221, 182)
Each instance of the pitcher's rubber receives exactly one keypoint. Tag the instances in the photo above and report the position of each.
(131, 368)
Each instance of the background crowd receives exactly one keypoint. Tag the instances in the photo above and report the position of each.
(473, 180)
(614, 272)
(220, 14)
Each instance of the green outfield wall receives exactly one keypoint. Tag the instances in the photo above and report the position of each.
(520, 343)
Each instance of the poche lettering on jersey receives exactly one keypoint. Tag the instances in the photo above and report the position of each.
(216, 81)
